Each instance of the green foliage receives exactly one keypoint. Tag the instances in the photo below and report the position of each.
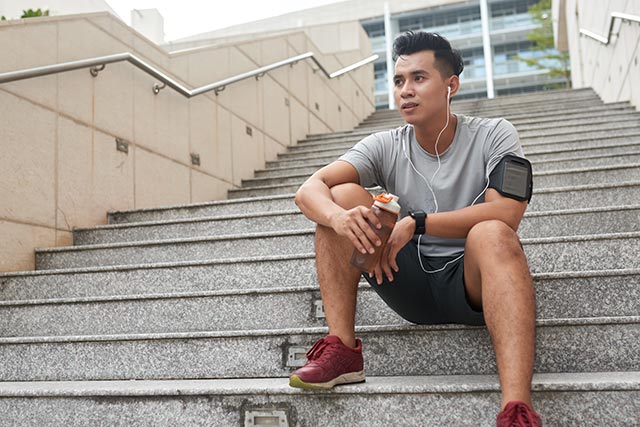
(30, 13)
(34, 13)
(542, 37)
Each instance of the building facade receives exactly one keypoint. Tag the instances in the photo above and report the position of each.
(460, 21)
(509, 24)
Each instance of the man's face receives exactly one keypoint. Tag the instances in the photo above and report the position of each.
(420, 92)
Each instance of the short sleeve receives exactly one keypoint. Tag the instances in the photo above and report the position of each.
(367, 156)
(502, 140)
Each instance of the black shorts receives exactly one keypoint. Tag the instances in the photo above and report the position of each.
(425, 298)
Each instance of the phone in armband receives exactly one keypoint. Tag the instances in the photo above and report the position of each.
(513, 178)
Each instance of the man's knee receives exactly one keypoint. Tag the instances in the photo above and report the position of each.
(494, 237)
(350, 195)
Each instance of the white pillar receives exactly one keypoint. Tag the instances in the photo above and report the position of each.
(388, 35)
(486, 44)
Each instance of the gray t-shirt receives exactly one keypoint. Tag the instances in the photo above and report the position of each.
(479, 144)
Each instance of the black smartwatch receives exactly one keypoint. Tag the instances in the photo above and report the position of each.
(420, 218)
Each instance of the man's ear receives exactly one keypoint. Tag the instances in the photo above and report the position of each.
(454, 84)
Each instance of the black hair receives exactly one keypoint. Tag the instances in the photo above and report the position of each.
(448, 60)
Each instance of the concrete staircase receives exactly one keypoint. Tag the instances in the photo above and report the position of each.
(195, 315)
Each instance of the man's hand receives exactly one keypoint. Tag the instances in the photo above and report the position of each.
(354, 225)
(401, 235)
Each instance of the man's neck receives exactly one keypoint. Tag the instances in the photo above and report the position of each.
(427, 135)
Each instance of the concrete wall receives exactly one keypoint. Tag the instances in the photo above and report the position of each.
(59, 167)
(613, 71)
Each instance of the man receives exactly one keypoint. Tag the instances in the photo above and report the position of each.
(454, 256)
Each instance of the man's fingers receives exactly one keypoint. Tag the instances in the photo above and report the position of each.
(372, 236)
(392, 257)
(384, 264)
(373, 218)
(356, 243)
(363, 239)
(378, 274)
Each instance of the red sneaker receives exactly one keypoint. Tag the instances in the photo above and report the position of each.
(330, 363)
(518, 414)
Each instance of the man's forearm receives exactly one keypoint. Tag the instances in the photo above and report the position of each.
(315, 202)
(458, 223)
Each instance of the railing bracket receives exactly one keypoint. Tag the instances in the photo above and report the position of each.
(157, 87)
(259, 76)
(219, 89)
(95, 70)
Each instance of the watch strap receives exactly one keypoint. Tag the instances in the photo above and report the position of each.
(420, 218)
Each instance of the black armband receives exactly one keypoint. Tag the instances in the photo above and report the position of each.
(513, 178)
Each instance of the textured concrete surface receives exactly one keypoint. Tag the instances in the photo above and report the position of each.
(588, 345)
(624, 155)
(581, 127)
(605, 251)
(585, 196)
(260, 272)
(516, 116)
(605, 147)
(206, 248)
(577, 174)
(620, 154)
(407, 401)
(543, 181)
(575, 222)
(562, 297)
(198, 227)
(225, 207)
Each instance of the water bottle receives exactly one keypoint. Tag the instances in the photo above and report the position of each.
(387, 209)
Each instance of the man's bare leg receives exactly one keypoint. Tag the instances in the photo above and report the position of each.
(497, 278)
(338, 278)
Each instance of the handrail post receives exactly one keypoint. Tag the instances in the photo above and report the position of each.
(612, 17)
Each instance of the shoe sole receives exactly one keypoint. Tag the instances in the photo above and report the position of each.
(348, 378)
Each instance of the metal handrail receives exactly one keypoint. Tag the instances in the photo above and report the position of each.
(99, 63)
(612, 18)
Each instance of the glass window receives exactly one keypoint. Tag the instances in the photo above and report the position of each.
(448, 23)
(374, 29)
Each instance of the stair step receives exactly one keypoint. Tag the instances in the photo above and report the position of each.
(161, 278)
(534, 224)
(617, 293)
(588, 345)
(620, 155)
(582, 196)
(516, 116)
(532, 111)
(593, 122)
(463, 401)
(544, 152)
(597, 127)
(541, 180)
(597, 252)
(557, 142)
(215, 208)
(271, 221)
